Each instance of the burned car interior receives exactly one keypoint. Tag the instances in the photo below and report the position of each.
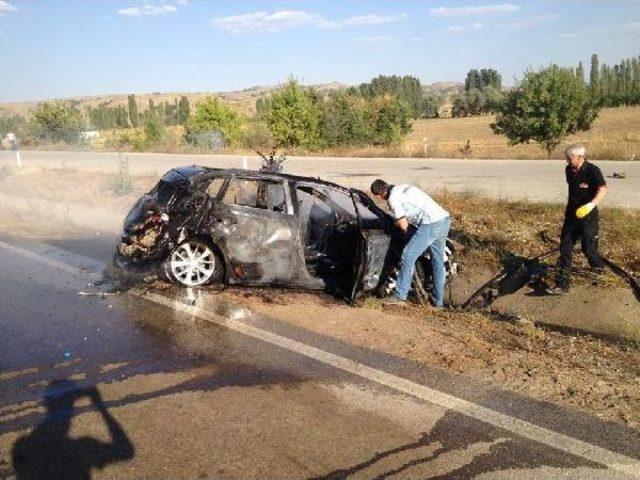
(202, 225)
(329, 233)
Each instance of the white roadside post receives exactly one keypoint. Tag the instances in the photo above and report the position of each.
(18, 159)
(245, 164)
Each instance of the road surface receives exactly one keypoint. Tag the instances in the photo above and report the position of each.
(535, 180)
(172, 384)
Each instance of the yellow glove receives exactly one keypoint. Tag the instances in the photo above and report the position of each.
(585, 210)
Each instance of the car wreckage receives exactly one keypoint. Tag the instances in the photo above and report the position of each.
(203, 225)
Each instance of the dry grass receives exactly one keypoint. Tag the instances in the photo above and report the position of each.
(615, 136)
(498, 231)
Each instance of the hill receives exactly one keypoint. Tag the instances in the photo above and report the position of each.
(243, 100)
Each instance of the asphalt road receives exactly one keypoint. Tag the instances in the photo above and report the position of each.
(535, 180)
(167, 384)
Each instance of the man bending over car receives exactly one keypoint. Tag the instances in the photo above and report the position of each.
(412, 206)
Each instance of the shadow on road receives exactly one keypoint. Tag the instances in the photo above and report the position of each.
(49, 452)
(458, 447)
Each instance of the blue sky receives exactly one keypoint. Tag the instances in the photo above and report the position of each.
(54, 49)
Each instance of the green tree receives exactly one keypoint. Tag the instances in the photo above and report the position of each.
(133, 111)
(492, 98)
(547, 105)
(392, 120)
(594, 76)
(407, 89)
(57, 123)
(347, 119)
(184, 110)
(431, 105)
(580, 72)
(293, 117)
(459, 105)
(214, 117)
(153, 131)
(473, 80)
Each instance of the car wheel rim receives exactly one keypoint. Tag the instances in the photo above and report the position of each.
(192, 263)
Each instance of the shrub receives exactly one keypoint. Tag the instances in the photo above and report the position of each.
(293, 117)
(56, 123)
(547, 106)
(214, 120)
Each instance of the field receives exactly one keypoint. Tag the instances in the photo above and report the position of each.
(615, 135)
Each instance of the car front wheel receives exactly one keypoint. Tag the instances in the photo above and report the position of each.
(194, 263)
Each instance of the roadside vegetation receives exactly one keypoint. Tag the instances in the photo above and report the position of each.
(387, 116)
(501, 232)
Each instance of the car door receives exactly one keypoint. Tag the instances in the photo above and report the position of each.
(373, 246)
(255, 227)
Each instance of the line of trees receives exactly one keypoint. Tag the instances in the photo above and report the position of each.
(482, 94)
(167, 113)
(613, 86)
(299, 117)
(373, 114)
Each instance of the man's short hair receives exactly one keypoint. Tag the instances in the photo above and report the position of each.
(577, 149)
(379, 187)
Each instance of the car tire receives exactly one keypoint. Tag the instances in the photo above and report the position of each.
(194, 263)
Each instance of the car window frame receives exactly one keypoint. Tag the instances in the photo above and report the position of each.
(281, 181)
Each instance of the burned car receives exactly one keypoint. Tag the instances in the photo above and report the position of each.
(202, 225)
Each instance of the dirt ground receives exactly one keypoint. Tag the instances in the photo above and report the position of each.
(582, 371)
(576, 350)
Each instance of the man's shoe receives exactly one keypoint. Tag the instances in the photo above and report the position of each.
(557, 290)
(393, 300)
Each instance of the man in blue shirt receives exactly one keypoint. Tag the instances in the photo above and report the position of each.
(412, 206)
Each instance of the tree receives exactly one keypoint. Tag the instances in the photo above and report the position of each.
(392, 120)
(347, 119)
(133, 111)
(472, 81)
(459, 105)
(214, 117)
(153, 130)
(431, 105)
(594, 76)
(407, 89)
(580, 72)
(293, 117)
(57, 123)
(184, 110)
(548, 105)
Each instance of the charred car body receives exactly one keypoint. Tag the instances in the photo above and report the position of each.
(203, 225)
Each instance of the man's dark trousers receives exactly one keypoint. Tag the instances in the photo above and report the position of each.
(573, 230)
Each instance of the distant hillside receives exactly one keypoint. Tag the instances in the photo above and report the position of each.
(443, 88)
(243, 100)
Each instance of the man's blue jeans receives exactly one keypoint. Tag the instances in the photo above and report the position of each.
(434, 237)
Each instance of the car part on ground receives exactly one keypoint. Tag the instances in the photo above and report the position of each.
(615, 268)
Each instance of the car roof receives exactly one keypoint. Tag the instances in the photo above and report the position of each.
(192, 171)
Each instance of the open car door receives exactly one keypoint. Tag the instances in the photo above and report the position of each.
(374, 242)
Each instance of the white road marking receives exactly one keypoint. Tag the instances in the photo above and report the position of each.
(559, 441)
(51, 262)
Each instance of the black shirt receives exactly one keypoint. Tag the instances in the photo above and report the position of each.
(583, 184)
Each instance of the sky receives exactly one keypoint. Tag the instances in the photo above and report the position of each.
(64, 48)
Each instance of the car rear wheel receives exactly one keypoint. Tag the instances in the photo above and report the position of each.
(194, 263)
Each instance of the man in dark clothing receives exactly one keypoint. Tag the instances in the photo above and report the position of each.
(587, 188)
